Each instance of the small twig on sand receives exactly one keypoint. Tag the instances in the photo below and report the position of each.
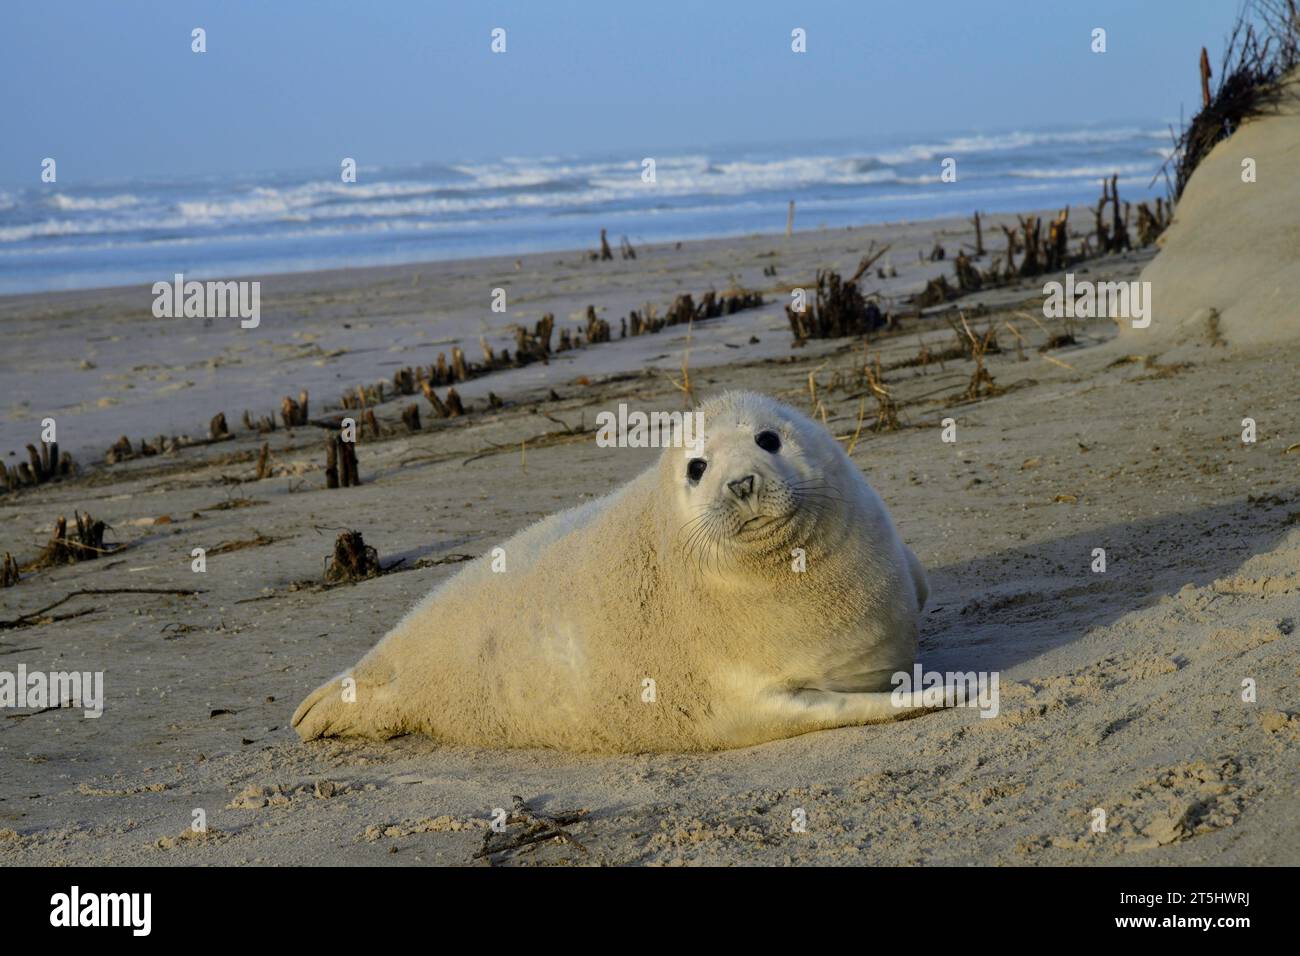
(812, 386)
(1030, 316)
(1058, 362)
(537, 441)
(685, 386)
(868, 261)
(568, 429)
(853, 442)
(537, 827)
(34, 713)
(33, 617)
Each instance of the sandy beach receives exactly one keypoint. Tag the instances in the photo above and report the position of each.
(1120, 690)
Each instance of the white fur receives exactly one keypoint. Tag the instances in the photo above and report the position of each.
(658, 580)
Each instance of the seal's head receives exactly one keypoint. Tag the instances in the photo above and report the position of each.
(762, 477)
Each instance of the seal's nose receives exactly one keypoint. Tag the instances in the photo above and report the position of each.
(742, 488)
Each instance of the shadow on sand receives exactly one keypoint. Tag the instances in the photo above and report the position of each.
(998, 610)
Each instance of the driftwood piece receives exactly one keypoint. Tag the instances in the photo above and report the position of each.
(352, 560)
(533, 345)
(120, 451)
(1056, 248)
(1013, 246)
(597, 328)
(404, 380)
(332, 462)
(1031, 229)
(217, 427)
(838, 309)
(937, 291)
(968, 277)
(33, 618)
(534, 827)
(868, 261)
(348, 474)
(263, 425)
(264, 461)
(42, 465)
(85, 543)
(1150, 224)
(1100, 231)
(1205, 78)
(8, 571)
(438, 406)
(1119, 227)
(294, 413)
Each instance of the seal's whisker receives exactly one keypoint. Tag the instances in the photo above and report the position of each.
(811, 496)
(812, 484)
(700, 512)
(688, 547)
(698, 518)
(700, 540)
(715, 545)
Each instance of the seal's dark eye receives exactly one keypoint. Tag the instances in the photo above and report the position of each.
(695, 468)
(768, 441)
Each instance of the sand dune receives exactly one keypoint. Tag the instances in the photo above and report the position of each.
(1230, 263)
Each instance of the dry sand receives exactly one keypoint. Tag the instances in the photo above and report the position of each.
(1231, 266)
(1120, 691)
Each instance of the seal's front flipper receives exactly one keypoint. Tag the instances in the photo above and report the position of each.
(347, 706)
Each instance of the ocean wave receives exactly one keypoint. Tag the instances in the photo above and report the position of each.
(1008, 142)
(508, 178)
(204, 210)
(74, 227)
(1082, 172)
(67, 203)
(493, 196)
(271, 202)
(619, 220)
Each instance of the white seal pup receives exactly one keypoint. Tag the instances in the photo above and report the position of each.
(747, 590)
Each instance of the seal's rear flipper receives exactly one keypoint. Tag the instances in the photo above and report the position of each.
(809, 708)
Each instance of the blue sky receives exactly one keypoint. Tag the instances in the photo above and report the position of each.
(112, 90)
